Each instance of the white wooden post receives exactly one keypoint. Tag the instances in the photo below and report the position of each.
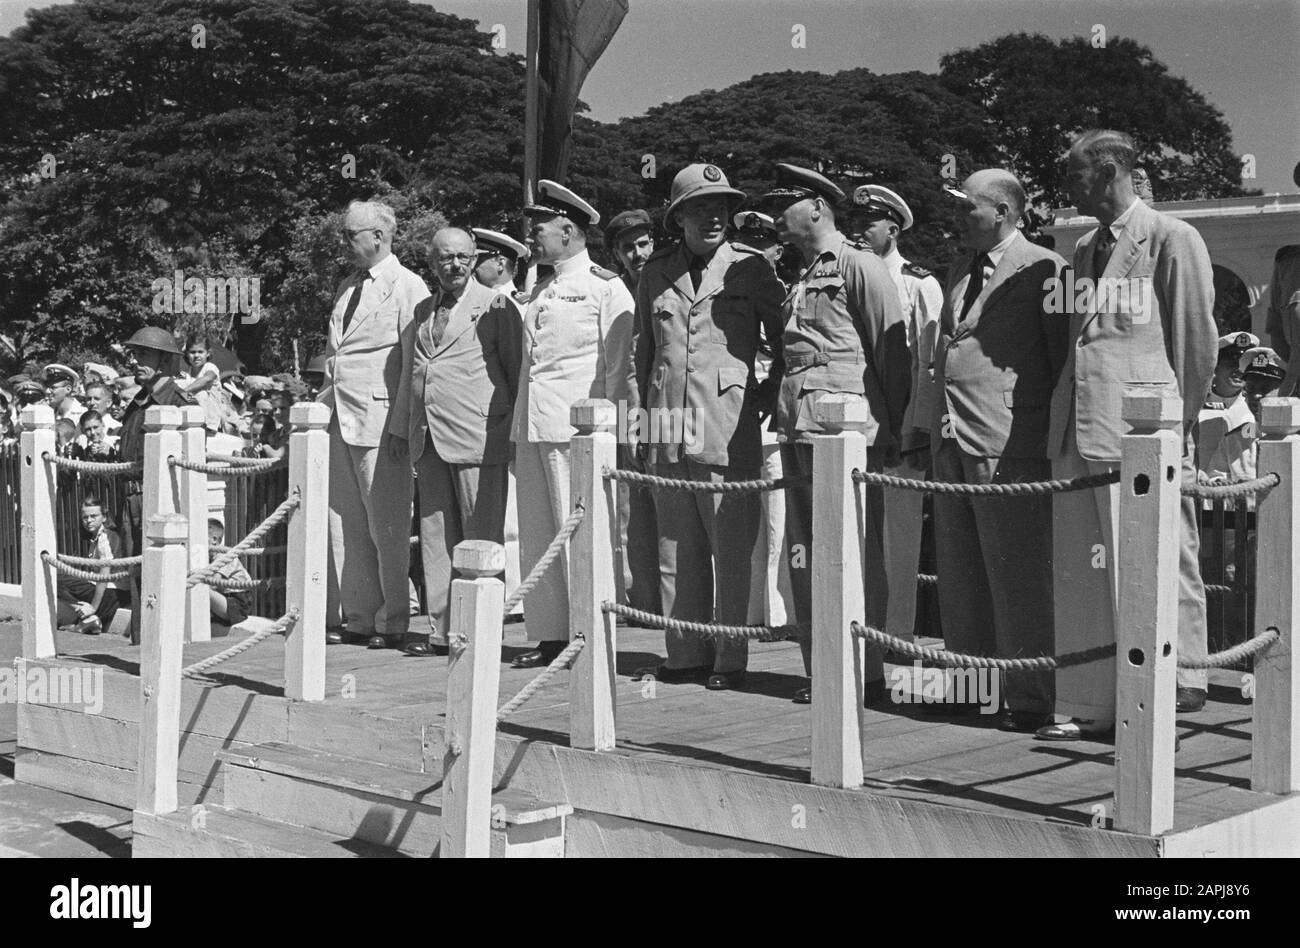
(1275, 744)
(473, 686)
(592, 698)
(194, 504)
(39, 483)
(160, 481)
(837, 591)
(1146, 659)
(163, 605)
(306, 563)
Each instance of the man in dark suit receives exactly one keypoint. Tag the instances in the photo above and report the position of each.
(1159, 329)
(996, 364)
(460, 374)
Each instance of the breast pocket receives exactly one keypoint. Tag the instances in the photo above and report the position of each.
(379, 395)
(823, 301)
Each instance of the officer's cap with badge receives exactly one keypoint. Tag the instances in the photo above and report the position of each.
(625, 223)
(1262, 365)
(876, 201)
(1234, 344)
(27, 389)
(555, 200)
(494, 243)
(795, 184)
(697, 181)
(56, 372)
(754, 222)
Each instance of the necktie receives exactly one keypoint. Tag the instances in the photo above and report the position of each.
(354, 299)
(446, 303)
(1102, 248)
(974, 284)
(697, 271)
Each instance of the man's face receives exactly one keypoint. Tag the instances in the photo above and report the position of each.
(363, 237)
(878, 233)
(547, 238)
(976, 219)
(147, 364)
(93, 429)
(216, 534)
(98, 398)
(453, 256)
(704, 222)
(793, 218)
(490, 269)
(1228, 380)
(634, 249)
(92, 518)
(57, 390)
(1087, 183)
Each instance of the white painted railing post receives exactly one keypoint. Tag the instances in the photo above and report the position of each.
(1275, 744)
(161, 482)
(163, 607)
(837, 591)
(1146, 658)
(306, 563)
(592, 696)
(39, 484)
(473, 686)
(194, 504)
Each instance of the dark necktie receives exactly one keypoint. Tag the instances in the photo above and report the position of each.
(354, 299)
(974, 284)
(697, 271)
(446, 303)
(1102, 248)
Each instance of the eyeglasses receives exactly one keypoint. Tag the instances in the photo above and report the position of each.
(352, 234)
(454, 257)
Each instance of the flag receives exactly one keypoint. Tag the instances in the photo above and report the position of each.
(571, 36)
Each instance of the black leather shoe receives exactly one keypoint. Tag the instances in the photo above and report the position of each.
(1076, 730)
(1190, 699)
(1023, 722)
(334, 637)
(385, 641)
(539, 657)
(417, 645)
(802, 696)
(675, 676)
(725, 681)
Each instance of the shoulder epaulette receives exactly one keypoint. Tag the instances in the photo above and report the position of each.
(522, 296)
(1287, 252)
(745, 248)
(915, 270)
(603, 273)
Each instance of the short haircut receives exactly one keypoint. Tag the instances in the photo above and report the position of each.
(89, 415)
(97, 385)
(198, 339)
(92, 500)
(1008, 189)
(65, 424)
(1103, 144)
(377, 212)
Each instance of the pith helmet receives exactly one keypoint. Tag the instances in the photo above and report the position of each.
(151, 337)
(699, 180)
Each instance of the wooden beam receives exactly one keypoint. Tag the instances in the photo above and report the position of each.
(306, 563)
(194, 504)
(39, 480)
(1275, 743)
(532, 121)
(837, 591)
(593, 690)
(1146, 657)
(473, 680)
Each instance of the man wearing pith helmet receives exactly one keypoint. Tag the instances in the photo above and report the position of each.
(576, 345)
(703, 307)
(878, 217)
(844, 333)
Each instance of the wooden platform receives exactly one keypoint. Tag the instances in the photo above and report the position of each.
(695, 772)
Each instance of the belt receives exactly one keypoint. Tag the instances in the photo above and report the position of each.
(805, 361)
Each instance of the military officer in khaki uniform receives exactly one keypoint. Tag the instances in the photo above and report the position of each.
(844, 332)
(879, 215)
(703, 308)
(577, 344)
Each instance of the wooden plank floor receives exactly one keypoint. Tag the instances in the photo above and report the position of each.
(964, 763)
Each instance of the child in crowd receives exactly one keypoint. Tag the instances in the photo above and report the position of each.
(1225, 428)
(95, 445)
(229, 607)
(65, 437)
(201, 379)
(85, 606)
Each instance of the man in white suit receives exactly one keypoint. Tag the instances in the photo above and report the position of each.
(1162, 333)
(460, 373)
(370, 472)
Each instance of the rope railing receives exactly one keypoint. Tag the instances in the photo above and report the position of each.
(538, 571)
(559, 663)
(1260, 485)
(758, 633)
(278, 516)
(1231, 656)
(897, 646)
(94, 576)
(226, 584)
(926, 580)
(92, 561)
(235, 459)
(252, 469)
(703, 487)
(280, 627)
(93, 467)
(252, 551)
(1014, 489)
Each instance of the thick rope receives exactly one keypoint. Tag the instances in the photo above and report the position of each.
(91, 561)
(223, 584)
(94, 467)
(1232, 656)
(939, 656)
(252, 469)
(281, 627)
(760, 633)
(703, 487)
(560, 662)
(254, 551)
(277, 517)
(925, 580)
(93, 576)
(1212, 589)
(1260, 485)
(1015, 489)
(238, 459)
(537, 572)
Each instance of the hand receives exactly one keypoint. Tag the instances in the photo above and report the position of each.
(83, 610)
(891, 456)
(397, 448)
(918, 461)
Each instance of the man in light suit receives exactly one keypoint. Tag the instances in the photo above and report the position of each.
(577, 344)
(996, 364)
(703, 307)
(460, 374)
(370, 473)
(1161, 331)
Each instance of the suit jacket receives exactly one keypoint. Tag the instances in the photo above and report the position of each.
(694, 351)
(577, 344)
(995, 370)
(363, 366)
(1169, 336)
(461, 391)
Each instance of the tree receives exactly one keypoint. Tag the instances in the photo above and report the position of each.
(1036, 94)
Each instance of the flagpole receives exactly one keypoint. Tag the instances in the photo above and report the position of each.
(531, 102)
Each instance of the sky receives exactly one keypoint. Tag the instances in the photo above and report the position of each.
(1243, 55)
